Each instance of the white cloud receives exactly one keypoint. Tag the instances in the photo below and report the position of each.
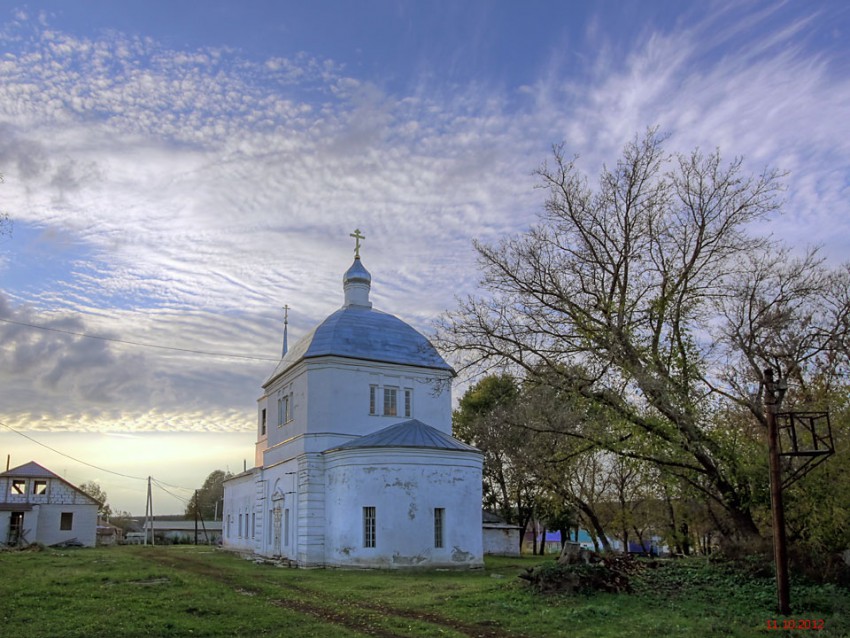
(199, 191)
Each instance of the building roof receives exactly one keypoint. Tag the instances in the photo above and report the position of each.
(408, 434)
(30, 470)
(357, 331)
(34, 470)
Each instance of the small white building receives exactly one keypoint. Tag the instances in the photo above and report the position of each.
(38, 506)
(355, 464)
(500, 537)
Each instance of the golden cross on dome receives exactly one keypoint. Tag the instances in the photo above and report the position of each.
(357, 237)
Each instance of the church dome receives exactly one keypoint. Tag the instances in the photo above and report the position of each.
(357, 272)
(357, 331)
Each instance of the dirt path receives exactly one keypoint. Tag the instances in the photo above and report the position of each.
(308, 602)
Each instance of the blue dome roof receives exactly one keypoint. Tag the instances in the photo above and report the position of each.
(360, 332)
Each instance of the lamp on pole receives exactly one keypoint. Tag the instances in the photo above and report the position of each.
(774, 393)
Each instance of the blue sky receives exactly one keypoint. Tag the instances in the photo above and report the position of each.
(176, 175)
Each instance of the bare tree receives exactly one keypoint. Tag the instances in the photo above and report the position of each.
(627, 296)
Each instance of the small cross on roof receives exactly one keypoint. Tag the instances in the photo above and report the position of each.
(357, 237)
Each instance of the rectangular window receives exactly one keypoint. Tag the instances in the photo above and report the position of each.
(390, 401)
(19, 486)
(373, 399)
(289, 408)
(66, 521)
(439, 515)
(263, 422)
(286, 527)
(253, 525)
(39, 486)
(283, 410)
(369, 527)
(408, 402)
(240, 526)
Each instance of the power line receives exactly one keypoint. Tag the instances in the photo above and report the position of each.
(68, 456)
(176, 487)
(102, 469)
(179, 498)
(137, 343)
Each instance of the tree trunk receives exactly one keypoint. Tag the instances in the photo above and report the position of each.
(598, 530)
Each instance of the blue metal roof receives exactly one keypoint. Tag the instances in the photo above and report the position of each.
(360, 332)
(410, 434)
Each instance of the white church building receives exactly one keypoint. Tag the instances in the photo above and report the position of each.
(355, 464)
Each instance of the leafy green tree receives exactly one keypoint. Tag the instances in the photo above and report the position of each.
(817, 507)
(484, 419)
(97, 493)
(207, 501)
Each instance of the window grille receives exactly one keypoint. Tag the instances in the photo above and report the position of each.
(369, 526)
(439, 516)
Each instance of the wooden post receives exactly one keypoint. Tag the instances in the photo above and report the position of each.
(774, 392)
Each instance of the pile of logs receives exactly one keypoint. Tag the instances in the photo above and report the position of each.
(579, 570)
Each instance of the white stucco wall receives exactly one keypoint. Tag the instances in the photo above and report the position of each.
(338, 406)
(268, 498)
(339, 391)
(404, 486)
(501, 540)
(240, 512)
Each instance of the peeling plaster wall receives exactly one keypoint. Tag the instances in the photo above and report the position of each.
(404, 486)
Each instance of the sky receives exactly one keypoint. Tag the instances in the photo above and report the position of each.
(175, 176)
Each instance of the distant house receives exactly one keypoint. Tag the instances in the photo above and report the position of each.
(209, 532)
(172, 529)
(109, 534)
(38, 506)
(552, 540)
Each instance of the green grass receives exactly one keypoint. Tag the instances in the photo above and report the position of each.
(189, 591)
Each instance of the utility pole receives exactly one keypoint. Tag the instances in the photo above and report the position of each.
(774, 393)
(149, 515)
